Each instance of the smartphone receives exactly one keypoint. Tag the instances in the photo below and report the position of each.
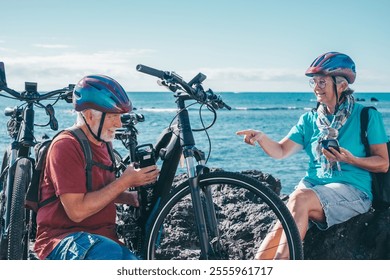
(331, 143)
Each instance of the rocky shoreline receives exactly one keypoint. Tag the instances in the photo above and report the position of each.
(364, 237)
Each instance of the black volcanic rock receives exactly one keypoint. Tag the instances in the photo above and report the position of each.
(364, 237)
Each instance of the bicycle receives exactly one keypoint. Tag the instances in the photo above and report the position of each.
(195, 217)
(17, 227)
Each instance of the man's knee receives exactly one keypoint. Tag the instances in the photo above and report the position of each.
(107, 249)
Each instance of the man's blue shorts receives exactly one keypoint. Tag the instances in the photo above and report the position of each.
(86, 246)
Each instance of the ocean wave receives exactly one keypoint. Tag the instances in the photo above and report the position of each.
(169, 110)
(158, 110)
(268, 108)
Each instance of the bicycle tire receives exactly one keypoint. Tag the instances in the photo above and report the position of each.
(3, 181)
(173, 235)
(18, 240)
(4, 165)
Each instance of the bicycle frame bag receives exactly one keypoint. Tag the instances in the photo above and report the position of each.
(380, 181)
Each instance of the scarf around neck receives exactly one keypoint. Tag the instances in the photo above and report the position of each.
(330, 130)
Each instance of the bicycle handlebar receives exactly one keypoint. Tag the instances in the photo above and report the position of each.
(151, 71)
(193, 88)
(30, 95)
(65, 93)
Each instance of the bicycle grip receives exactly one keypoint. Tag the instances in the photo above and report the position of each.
(151, 71)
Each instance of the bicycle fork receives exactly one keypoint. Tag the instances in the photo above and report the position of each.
(191, 153)
(196, 196)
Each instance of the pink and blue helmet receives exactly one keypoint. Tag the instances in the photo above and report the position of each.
(101, 93)
(333, 64)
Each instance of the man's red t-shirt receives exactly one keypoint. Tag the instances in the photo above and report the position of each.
(65, 173)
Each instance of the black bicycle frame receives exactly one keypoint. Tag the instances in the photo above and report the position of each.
(172, 144)
(20, 148)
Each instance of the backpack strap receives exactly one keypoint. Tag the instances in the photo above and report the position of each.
(47, 201)
(110, 151)
(83, 141)
(111, 167)
(363, 128)
(40, 165)
(79, 134)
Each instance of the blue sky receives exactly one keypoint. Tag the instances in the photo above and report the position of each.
(244, 45)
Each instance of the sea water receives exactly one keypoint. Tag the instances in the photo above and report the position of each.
(271, 112)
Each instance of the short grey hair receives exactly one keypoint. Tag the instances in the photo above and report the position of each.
(80, 120)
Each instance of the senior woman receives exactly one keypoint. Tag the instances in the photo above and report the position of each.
(337, 184)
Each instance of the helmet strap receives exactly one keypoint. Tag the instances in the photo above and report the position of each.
(337, 95)
(97, 137)
(102, 118)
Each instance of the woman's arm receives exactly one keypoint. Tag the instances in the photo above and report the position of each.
(377, 162)
(277, 150)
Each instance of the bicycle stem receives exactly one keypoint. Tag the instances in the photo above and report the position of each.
(27, 138)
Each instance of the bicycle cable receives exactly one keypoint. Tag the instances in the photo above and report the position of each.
(7, 96)
(210, 108)
(42, 106)
(204, 128)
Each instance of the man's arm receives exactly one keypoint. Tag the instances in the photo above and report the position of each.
(79, 206)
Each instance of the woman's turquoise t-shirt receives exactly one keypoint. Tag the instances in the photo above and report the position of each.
(306, 133)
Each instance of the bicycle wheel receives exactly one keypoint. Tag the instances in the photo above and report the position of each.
(4, 165)
(246, 210)
(18, 239)
(3, 181)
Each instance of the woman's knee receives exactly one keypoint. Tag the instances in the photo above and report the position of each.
(306, 202)
(303, 199)
(298, 197)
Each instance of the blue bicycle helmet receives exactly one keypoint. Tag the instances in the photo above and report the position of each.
(333, 64)
(101, 93)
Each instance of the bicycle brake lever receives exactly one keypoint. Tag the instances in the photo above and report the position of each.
(171, 87)
(215, 105)
(69, 97)
(53, 120)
